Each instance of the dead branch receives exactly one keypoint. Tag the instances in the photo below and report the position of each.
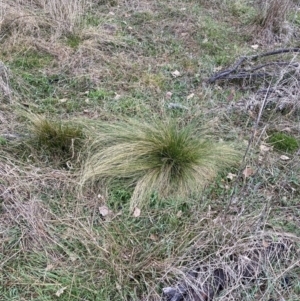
(235, 73)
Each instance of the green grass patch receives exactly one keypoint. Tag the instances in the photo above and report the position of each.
(31, 59)
(100, 94)
(216, 39)
(3, 141)
(73, 40)
(283, 142)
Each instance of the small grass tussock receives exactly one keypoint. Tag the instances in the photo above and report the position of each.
(156, 156)
(63, 139)
(283, 142)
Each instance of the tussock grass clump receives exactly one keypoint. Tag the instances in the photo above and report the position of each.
(271, 20)
(157, 156)
(57, 17)
(62, 139)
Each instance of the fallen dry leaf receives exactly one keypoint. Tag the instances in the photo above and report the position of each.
(169, 95)
(60, 291)
(175, 73)
(62, 100)
(136, 212)
(248, 172)
(104, 211)
(118, 287)
(264, 148)
(73, 257)
(254, 46)
(153, 237)
(265, 244)
(284, 158)
(190, 96)
(117, 96)
(216, 69)
(230, 176)
(179, 213)
(261, 159)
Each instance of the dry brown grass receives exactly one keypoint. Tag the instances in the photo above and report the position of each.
(281, 91)
(4, 83)
(55, 18)
(21, 188)
(272, 20)
(268, 258)
(41, 26)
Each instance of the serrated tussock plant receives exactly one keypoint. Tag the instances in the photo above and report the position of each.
(156, 156)
(62, 139)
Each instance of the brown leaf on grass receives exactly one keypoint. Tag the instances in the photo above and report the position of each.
(73, 257)
(169, 95)
(60, 291)
(248, 172)
(104, 211)
(176, 73)
(117, 96)
(190, 96)
(136, 212)
(284, 158)
(261, 159)
(118, 286)
(265, 244)
(230, 176)
(153, 237)
(179, 213)
(264, 148)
